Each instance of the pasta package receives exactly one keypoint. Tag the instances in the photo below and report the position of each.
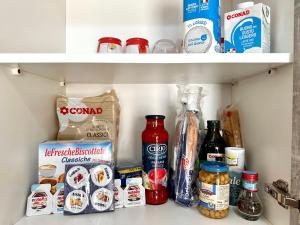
(230, 120)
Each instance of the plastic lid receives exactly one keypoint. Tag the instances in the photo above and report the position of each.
(137, 41)
(215, 167)
(155, 117)
(244, 5)
(110, 40)
(250, 175)
(213, 124)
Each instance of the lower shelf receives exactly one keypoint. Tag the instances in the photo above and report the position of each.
(168, 213)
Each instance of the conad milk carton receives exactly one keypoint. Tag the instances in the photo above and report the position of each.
(247, 29)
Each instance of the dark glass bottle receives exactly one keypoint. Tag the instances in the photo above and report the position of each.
(213, 147)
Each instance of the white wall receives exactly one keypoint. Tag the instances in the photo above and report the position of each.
(138, 100)
(32, 26)
(27, 118)
(265, 103)
(89, 20)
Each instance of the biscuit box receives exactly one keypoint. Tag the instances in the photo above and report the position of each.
(247, 30)
(54, 155)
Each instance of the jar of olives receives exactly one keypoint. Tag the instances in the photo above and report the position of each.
(214, 190)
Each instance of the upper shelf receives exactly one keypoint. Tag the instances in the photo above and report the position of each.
(148, 68)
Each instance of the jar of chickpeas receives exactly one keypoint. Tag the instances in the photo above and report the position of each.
(214, 190)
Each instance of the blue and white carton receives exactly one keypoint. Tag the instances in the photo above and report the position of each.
(247, 30)
(202, 26)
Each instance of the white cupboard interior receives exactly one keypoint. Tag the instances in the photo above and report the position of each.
(260, 85)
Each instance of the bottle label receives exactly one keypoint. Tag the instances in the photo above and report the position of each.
(215, 157)
(155, 161)
(214, 197)
(250, 186)
(232, 160)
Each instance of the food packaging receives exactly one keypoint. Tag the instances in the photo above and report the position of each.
(90, 118)
(202, 26)
(118, 194)
(214, 190)
(235, 159)
(236, 186)
(89, 188)
(247, 29)
(40, 200)
(186, 148)
(53, 155)
(58, 199)
(134, 193)
(230, 121)
(128, 170)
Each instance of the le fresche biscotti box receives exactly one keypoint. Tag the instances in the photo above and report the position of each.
(54, 155)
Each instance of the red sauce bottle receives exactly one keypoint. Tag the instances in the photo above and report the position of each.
(155, 160)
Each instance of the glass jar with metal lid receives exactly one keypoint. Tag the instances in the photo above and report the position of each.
(214, 190)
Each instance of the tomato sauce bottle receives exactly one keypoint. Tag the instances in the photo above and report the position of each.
(155, 160)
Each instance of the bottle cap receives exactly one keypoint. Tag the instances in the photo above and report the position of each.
(214, 167)
(244, 5)
(250, 175)
(155, 117)
(213, 124)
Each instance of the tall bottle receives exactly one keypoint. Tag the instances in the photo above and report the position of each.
(155, 160)
(213, 147)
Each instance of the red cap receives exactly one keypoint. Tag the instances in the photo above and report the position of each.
(250, 175)
(137, 41)
(110, 40)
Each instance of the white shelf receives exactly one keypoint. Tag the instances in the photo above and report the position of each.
(149, 68)
(167, 214)
(148, 58)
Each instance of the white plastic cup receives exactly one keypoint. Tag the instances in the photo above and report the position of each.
(235, 158)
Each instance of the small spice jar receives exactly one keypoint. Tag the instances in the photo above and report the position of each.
(109, 45)
(137, 45)
(249, 203)
(214, 190)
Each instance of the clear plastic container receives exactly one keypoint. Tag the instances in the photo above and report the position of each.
(109, 45)
(249, 204)
(165, 46)
(137, 46)
(214, 190)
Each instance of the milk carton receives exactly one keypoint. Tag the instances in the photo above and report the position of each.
(202, 31)
(247, 29)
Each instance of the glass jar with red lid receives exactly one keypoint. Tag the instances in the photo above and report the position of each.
(137, 45)
(155, 160)
(249, 204)
(109, 45)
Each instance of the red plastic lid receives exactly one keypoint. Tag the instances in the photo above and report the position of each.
(110, 40)
(137, 41)
(250, 175)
